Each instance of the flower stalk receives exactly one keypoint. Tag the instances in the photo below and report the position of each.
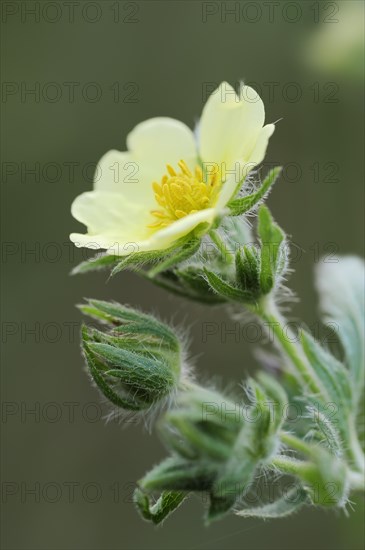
(285, 340)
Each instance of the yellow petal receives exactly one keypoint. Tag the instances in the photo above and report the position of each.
(110, 214)
(229, 125)
(160, 141)
(259, 151)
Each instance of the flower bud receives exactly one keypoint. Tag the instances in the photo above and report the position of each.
(217, 445)
(325, 479)
(258, 271)
(248, 273)
(136, 362)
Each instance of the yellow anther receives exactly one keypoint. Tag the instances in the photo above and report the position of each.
(170, 170)
(183, 192)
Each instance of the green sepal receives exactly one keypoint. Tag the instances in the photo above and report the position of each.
(284, 506)
(237, 475)
(244, 204)
(219, 506)
(124, 319)
(164, 259)
(248, 272)
(97, 263)
(272, 237)
(276, 396)
(193, 280)
(325, 429)
(158, 511)
(223, 288)
(111, 312)
(325, 479)
(174, 284)
(177, 474)
(183, 253)
(189, 282)
(150, 377)
(96, 370)
(205, 443)
(136, 363)
(203, 426)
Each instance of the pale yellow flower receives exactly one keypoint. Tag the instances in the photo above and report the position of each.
(170, 182)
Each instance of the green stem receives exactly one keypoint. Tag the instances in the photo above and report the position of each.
(268, 312)
(295, 443)
(301, 469)
(291, 465)
(218, 241)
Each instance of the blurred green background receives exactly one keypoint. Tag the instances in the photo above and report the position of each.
(97, 69)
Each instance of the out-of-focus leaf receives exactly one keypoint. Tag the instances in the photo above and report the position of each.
(342, 300)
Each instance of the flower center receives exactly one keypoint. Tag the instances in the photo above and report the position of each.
(183, 192)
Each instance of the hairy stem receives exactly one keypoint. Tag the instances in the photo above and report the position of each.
(218, 241)
(285, 340)
(290, 465)
(295, 443)
(295, 467)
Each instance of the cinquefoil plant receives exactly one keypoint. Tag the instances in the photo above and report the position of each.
(182, 226)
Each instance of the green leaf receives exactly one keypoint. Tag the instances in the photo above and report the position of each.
(244, 204)
(157, 512)
(284, 506)
(222, 288)
(187, 250)
(272, 237)
(342, 300)
(99, 262)
(332, 374)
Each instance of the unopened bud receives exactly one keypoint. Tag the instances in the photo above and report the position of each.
(136, 362)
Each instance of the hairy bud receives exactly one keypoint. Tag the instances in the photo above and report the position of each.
(136, 362)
